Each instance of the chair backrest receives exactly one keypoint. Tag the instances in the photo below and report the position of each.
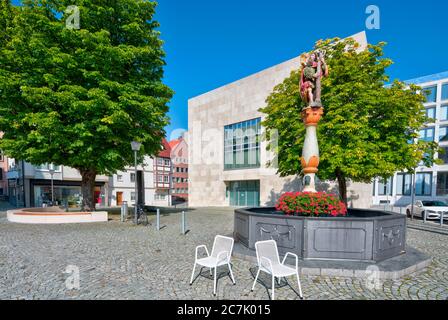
(220, 244)
(267, 249)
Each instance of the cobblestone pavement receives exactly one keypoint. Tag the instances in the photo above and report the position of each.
(121, 261)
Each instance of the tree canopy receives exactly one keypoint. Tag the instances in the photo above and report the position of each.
(78, 97)
(368, 127)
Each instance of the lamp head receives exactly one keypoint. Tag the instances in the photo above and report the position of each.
(135, 145)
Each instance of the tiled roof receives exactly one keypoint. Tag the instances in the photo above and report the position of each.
(166, 152)
(174, 143)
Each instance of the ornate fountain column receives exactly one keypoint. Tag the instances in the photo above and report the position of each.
(313, 69)
(310, 152)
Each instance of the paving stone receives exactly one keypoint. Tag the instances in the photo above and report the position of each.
(121, 261)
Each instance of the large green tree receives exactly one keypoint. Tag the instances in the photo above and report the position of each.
(6, 18)
(79, 96)
(367, 127)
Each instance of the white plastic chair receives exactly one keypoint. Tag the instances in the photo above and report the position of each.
(269, 262)
(221, 254)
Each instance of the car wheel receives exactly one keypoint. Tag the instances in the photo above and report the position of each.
(408, 213)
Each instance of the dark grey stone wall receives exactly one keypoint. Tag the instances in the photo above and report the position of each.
(366, 235)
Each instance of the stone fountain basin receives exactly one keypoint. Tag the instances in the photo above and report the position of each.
(54, 215)
(362, 235)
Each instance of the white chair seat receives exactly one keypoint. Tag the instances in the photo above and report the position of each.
(280, 270)
(211, 262)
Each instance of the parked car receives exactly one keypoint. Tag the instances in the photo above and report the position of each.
(431, 208)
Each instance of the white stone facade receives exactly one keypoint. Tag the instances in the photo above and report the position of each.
(236, 102)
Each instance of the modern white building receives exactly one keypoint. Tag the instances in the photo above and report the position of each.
(228, 160)
(431, 183)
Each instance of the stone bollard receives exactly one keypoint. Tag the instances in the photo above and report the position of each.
(124, 211)
(158, 220)
(183, 223)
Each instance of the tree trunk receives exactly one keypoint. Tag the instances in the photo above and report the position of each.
(88, 189)
(342, 183)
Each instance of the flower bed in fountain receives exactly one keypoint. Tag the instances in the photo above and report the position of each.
(319, 204)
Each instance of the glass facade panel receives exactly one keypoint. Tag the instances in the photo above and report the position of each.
(430, 93)
(242, 145)
(443, 155)
(443, 134)
(244, 193)
(423, 184)
(404, 182)
(445, 91)
(427, 134)
(444, 112)
(431, 113)
(442, 183)
(385, 187)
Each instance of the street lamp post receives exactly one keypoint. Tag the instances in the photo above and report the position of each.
(135, 147)
(51, 170)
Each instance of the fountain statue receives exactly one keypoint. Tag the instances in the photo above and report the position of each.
(314, 68)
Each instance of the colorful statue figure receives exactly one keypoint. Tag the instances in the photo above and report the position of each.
(313, 69)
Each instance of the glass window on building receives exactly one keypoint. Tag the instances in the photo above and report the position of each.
(427, 134)
(70, 195)
(132, 176)
(442, 184)
(443, 155)
(119, 178)
(444, 112)
(430, 93)
(431, 113)
(132, 196)
(445, 91)
(242, 144)
(423, 184)
(404, 183)
(167, 162)
(443, 134)
(46, 166)
(385, 187)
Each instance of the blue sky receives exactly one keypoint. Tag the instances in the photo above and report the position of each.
(213, 42)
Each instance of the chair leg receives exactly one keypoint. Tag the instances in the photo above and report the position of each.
(192, 274)
(256, 278)
(214, 283)
(300, 287)
(273, 288)
(231, 273)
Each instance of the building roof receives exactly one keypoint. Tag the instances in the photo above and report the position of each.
(432, 77)
(166, 152)
(175, 142)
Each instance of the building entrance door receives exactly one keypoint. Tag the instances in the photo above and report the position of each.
(245, 193)
(119, 198)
